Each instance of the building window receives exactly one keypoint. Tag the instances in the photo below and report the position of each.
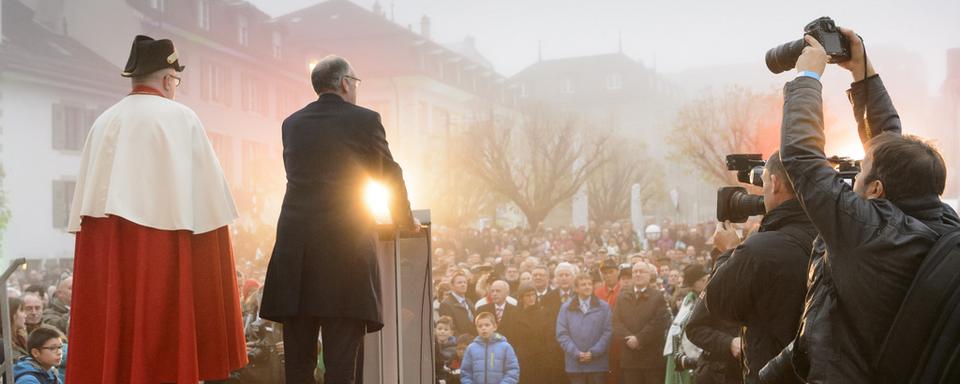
(423, 118)
(523, 90)
(157, 4)
(223, 146)
(62, 199)
(203, 14)
(253, 95)
(614, 81)
(252, 152)
(71, 123)
(243, 29)
(567, 86)
(287, 103)
(215, 83)
(276, 45)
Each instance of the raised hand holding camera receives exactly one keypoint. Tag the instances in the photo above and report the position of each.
(859, 64)
(825, 32)
(814, 57)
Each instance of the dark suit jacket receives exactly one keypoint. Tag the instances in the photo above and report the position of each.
(645, 316)
(508, 324)
(324, 263)
(552, 360)
(461, 320)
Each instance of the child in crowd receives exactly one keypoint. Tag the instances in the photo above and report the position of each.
(46, 349)
(446, 348)
(489, 359)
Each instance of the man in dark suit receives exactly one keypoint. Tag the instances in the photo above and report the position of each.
(640, 325)
(553, 361)
(324, 271)
(459, 307)
(505, 312)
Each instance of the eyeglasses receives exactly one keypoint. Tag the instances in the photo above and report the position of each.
(354, 79)
(54, 348)
(176, 80)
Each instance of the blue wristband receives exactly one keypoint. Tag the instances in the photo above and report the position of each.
(810, 74)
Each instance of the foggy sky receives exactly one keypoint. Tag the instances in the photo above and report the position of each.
(674, 35)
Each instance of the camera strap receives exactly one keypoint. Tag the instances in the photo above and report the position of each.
(866, 85)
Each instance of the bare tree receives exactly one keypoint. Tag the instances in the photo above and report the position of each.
(609, 188)
(711, 127)
(456, 196)
(536, 164)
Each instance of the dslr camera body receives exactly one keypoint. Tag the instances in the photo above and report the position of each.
(736, 204)
(784, 57)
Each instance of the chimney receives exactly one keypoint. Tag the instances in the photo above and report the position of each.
(425, 27)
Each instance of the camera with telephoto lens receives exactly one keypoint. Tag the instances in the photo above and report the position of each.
(784, 57)
(734, 203)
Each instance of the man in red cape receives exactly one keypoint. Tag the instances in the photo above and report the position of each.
(155, 296)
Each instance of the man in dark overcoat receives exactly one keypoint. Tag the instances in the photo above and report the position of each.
(324, 273)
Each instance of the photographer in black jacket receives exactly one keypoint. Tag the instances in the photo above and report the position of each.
(762, 286)
(873, 236)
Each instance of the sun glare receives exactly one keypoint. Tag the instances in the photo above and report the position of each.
(377, 197)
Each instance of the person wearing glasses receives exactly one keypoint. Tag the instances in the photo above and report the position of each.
(40, 367)
(323, 274)
(155, 294)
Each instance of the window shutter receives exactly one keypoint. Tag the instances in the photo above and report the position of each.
(59, 127)
(59, 190)
(205, 81)
(226, 87)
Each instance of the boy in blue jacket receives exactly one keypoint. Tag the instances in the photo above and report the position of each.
(584, 328)
(46, 350)
(489, 359)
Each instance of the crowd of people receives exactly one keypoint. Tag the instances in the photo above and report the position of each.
(566, 304)
(39, 300)
(521, 277)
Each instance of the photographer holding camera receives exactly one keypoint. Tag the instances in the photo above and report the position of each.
(762, 285)
(873, 236)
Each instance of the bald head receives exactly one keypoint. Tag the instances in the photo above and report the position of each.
(499, 291)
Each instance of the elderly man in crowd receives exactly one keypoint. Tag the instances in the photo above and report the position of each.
(57, 313)
(640, 322)
(505, 311)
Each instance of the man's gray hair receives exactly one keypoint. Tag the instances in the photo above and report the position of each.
(328, 72)
(567, 267)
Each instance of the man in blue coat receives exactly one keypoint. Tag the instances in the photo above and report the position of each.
(324, 271)
(584, 329)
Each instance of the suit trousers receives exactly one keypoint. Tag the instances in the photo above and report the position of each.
(342, 345)
(587, 378)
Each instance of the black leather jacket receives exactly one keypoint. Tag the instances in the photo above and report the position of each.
(763, 285)
(868, 250)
